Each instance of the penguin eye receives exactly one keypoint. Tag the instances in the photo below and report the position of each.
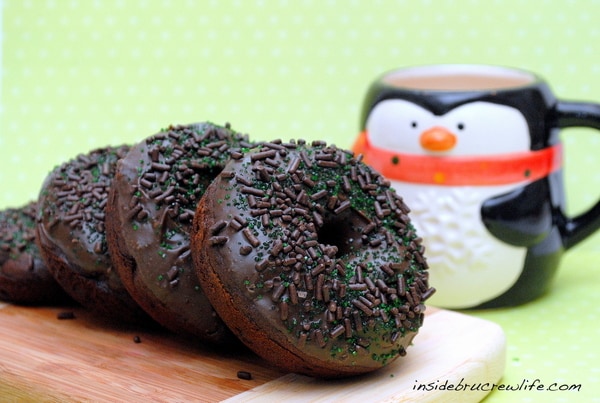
(413, 124)
(460, 126)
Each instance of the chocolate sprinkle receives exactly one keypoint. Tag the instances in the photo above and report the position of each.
(65, 315)
(245, 375)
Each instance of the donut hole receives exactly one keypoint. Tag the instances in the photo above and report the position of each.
(339, 231)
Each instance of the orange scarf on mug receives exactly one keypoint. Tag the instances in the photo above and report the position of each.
(480, 170)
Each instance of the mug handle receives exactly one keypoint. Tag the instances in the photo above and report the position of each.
(579, 114)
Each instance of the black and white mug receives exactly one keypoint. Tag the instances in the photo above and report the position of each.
(475, 152)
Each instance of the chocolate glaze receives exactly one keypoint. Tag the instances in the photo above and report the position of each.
(310, 258)
(152, 204)
(71, 234)
(24, 277)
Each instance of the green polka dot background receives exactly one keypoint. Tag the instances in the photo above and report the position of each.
(78, 74)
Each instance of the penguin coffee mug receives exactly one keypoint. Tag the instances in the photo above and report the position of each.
(474, 150)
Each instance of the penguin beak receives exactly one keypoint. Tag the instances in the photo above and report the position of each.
(437, 139)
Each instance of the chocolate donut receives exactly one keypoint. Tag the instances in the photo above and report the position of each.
(24, 277)
(72, 238)
(151, 206)
(310, 258)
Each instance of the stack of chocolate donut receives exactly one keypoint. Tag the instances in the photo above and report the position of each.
(299, 250)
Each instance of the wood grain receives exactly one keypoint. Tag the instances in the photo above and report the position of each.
(44, 359)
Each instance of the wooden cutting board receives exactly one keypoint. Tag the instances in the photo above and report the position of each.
(44, 359)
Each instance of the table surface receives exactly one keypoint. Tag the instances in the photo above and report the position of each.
(552, 342)
(87, 359)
